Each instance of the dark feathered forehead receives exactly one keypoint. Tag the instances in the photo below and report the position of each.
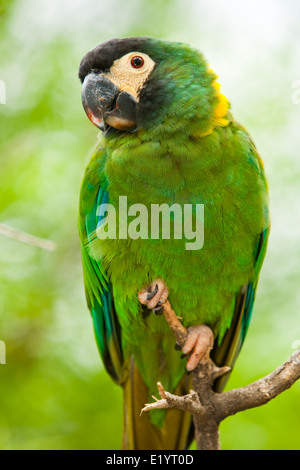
(101, 58)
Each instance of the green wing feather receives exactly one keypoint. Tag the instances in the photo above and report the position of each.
(97, 286)
(227, 352)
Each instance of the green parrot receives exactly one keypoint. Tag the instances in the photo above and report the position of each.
(168, 138)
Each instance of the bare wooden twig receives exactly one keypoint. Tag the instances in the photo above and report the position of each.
(27, 238)
(210, 408)
(178, 330)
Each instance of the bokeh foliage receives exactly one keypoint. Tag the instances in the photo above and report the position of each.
(54, 393)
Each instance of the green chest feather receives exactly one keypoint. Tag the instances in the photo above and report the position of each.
(222, 174)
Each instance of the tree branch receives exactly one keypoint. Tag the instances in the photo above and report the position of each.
(27, 238)
(209, 408)
(263, 390)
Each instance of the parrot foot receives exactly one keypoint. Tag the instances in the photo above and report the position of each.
(154, 296)
(198, 344)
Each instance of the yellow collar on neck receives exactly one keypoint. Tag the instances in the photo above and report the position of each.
(221, 116)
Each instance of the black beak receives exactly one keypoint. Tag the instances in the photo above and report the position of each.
(105, 105)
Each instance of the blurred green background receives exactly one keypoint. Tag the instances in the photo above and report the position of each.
(54, 393)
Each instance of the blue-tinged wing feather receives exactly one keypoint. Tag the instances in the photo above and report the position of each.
(226, 353)
(97, 286)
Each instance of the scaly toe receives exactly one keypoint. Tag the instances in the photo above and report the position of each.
(199, 343)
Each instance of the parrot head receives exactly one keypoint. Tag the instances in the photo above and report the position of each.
(141, 83)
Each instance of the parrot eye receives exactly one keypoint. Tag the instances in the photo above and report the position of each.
(137, 62)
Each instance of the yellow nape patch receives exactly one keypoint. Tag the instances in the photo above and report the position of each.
(222, 107)
(220, 115)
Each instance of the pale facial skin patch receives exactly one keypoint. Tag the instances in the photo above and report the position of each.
(128, 77)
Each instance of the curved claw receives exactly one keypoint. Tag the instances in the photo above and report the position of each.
(155, 296)
(152, 294)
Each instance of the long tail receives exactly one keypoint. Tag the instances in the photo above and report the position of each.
(139, 433)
